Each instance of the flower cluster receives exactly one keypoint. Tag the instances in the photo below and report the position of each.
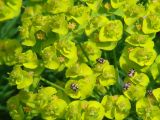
(81, 59)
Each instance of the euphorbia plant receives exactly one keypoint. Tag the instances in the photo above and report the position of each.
(80, 59)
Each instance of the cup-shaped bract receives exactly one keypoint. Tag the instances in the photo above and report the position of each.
(126, 63)
(72, 88)
(151, 23)
(92, 51)
(156, 93)
(108, 76)
(93, 4)
(123, 107)
(80, 13)
(80, 88)
(143, 56)
(78, 70)
(146, 109)
(140, 79)
(44, 97)
(20, 77)
(140, 40)
(29, 59)
(93, 111)
(59, 24)
(66, 49)
(50, 58)
(132, 13)
(74, 110)
(55, 109)
(95, 23)
(9, 9)
(55, 7)
(15, 109)
(112, 31)
(138, 89)
(108, 103)
(9, 50)
(117, 107)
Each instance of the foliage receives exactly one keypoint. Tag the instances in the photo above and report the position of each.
(80, 59)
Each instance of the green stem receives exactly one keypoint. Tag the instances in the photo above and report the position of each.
(117, 71)
(53, 84)
(115, 59)
(85, 54)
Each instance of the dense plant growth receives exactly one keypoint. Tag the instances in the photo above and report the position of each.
(80, 59)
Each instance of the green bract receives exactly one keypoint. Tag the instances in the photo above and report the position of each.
(77, 70)
(93, 111)
(59, 54)
(151, 23)
(132, 13)
(21, 78)
(54, 6)
(80, 14)
(147, 109)
(143, 56)
(95, 23)
(92, 51)
(116, 106)
(16, 110)
(140, 40)
(80, 59)
(29, 59)
(139, 90)
(93, 4)
(156, 94)
(112, 31)
(9, 50)
(77, 89)
(9, 9)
